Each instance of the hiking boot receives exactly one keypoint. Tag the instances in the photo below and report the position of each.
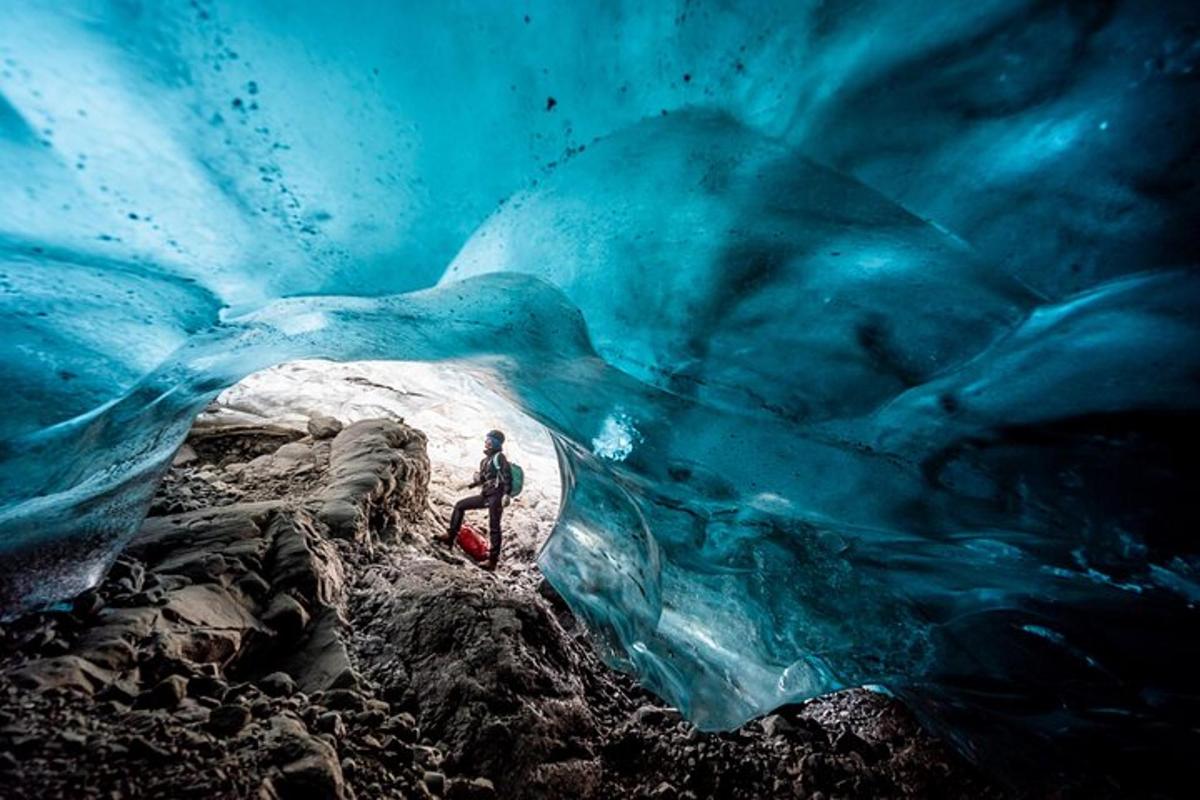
(445, 541)
(490, 566)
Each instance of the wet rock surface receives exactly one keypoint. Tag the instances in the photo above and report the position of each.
(284, 626)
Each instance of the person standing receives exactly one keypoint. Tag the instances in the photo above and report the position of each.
(494, 481)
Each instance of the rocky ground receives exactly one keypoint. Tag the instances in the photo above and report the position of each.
(284, 627)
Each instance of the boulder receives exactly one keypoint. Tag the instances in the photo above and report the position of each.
(185, 455)
(342, 700)
(321, 661)
(435, 782)
(331, 722)
(207, 686)
(310, 769)
(322, 427)
(228, 720)
(126, 569)
(775, 725)
(286, 616)
(277, 684)
(166, 694)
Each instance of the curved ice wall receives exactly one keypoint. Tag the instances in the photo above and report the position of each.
(867, 330)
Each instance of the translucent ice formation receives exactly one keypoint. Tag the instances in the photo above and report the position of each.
(867, 331)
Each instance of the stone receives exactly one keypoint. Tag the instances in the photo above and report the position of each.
(151, 597)
(322, 427)
(775, 725)
(470, 789)
(190, 712)
(86, 605)
(404, 727)
(124, 692)
(342, 700)
(228, 720)
(331, 722)
(400, 753)
(310, 767)
(850, 742)
(253, 585)
(277, 684)
(185, 455)
(267, 790)
(371, 718)
(435, 782)
(296, 452)
(124, 569)
(286, 616)
(321, 661)
(338, 665)
(656, 715)
(394, 693)
(243, 692)
(664, 791)
(206, 686)
(166, 694)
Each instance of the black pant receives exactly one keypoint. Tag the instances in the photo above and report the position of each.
(494, 503)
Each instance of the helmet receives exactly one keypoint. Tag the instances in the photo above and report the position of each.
(495, 437)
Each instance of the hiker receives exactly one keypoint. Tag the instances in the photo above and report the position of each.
(495, 482)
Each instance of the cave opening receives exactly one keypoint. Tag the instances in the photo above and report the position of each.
(449, 403)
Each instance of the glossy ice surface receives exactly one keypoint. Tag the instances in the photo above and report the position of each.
(867, 331)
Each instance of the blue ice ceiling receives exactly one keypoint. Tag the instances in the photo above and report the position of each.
(868, 330)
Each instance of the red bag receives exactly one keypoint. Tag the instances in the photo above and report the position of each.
(474, 544)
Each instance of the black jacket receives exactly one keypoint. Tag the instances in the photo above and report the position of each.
(492, 480)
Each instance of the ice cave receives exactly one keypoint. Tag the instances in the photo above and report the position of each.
(862, 336)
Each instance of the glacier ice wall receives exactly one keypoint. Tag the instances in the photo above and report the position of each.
(867, 331)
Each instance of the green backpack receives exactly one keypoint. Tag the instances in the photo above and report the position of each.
(518, 476)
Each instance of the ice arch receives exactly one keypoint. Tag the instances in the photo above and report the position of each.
(883, 315)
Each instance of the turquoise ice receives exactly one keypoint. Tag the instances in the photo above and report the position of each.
(867, 332)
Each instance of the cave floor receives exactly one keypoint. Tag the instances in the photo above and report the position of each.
(285, 626)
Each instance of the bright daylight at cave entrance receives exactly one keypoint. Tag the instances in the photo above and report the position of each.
(663, 399)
